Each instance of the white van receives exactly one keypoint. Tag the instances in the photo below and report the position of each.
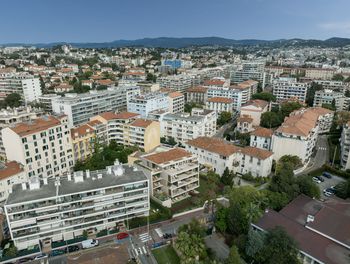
(89, 243)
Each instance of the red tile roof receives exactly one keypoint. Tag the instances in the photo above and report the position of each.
(175, 94)
(197, 89)
(36, 125)
(81, 131)
(215, 145)
(220, 100)
(11, 168)
(257, 152)
(166, 156)
(141, 123)
(214, 82)
(262, 132)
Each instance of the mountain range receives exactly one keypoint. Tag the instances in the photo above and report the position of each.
(168, 42)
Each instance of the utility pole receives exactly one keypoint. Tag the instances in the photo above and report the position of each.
(335, 151)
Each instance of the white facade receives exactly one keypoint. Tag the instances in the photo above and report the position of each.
(176, 102)
(345, 147)
(227, 92)
(179, 82)
(327, 96)
(255, 109)
(285, 88)
(220, 104)
(144, 104)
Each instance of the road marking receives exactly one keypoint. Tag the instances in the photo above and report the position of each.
(144, 249)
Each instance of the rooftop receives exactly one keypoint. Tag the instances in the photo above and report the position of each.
(257, 103)
(262, 132)
(9, 169)
(141, 123)
(215, 145)
(223, 100)
(168, 155)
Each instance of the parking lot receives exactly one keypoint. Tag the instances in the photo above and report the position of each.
(329, 183)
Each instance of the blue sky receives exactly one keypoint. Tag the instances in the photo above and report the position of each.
(33, 21)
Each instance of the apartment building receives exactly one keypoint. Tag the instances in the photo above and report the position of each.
(22, 83)
(220, 104)
(244, 124)
(12, 116)
(261, 138)
(10, 173)
(254, 109)
(185, 126)
(83, 141)
(319, 73)
(345, 147)
(285, 88)
(62, 208)
(332, 85)
(227, 92)
(144, 104)
(81, 107)
(130, 129)
(298, 133)
(218, 154)
(197, 94)
(176, 102)
(248, 88)
(46, 101)
(180, 82)
(43, 146)
(327, 96)
(249, 70)
(173, 173)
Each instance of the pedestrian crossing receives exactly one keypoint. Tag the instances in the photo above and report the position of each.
(139, 251)
(145, 237)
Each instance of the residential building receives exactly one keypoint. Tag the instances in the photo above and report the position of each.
(12, 116)
(244, 124)
(178, 82)
(319, 73)
(43, 146)
(218, 154)
(197, 94)
(248, 88)
(227, 92)
(298, 133)
(10, 173)
(285, 88)
(81, 107)
(144, 104)
(311, 223)
(46, 101)
(176, 102)
(83, 141)
(64, 88)
(328, 96)
(60, 209)
(345, 147)
(220, 104)
(185, 126)
(332, 85)
(173, 173)
(22, 83)
(254, 109)
(130, 130)
(249, 70)
(261, 138)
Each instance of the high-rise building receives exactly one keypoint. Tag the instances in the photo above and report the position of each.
(285, 88)
(144, 104)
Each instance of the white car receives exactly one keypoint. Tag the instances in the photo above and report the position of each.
(316, 180)
(326, 193)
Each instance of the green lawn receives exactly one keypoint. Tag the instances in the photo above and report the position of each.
(166, 255)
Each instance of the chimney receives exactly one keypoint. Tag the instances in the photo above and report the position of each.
(69, 177)
(45, 181)
(87, 173)
(99, 176)
(24, 186)
(109, 169)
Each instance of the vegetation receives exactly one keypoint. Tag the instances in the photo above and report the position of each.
(11, 100)
(264, 96)
(151, 77)
(168, 141)
(166, 255)
(338, 77)
(224, 118)
(234, 257)
(310, 94)
(190, 105)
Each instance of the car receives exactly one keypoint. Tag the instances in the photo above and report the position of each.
(57, 252)
(330, 190)
(167, 236)
(327, 175)
(73, 248)
(122, 235)
(89, 243)
(23, 260)
(41, 256)
(320, 178)
(315, 179)
(326, 193)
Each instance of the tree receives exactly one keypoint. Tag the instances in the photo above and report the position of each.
(276, 200)
(224, 118)
(191, 247)
(295, 161)
(308, 187)
(310, 94)
(11, 252)
(270, 120)
(150, 77)
(234, 257)
(338, 77)
(221, 219)
(255, 242)
(289, 107)
(227, 177)
(347, 79)
(193, 227)
(13, 100)
(264, 96)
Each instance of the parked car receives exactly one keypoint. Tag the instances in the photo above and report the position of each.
(320, 178)
(330, 190)
(327, 193)
(167, 236)
(23, 260)
(122, 235)
(41, 256)
(315, 179)
(73, 248)
(89, 243)
(58, 252)
(327, 175)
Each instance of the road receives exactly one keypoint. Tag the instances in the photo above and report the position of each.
(220, 132)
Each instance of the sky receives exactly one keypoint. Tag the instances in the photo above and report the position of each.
(45, 21)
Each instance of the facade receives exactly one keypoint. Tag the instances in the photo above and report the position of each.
(285, 88)
(130, 130)
(24, 84)
(46, 101)
(261, 138)
(197, 94)
(254, 109)
(81, 107)
(43, 146)
(180, 82)
(10, 173)
(249, 71)
(319, 73)
(218, 154)
(173, 173)
(220, 104)
(176, 102)
(298, 133)
(345, 147)
(144, 104)
(185, 126)
(244, 124)
(83, 142)
(227, 92)
(248, 88)
(327, 96)
(60, 209)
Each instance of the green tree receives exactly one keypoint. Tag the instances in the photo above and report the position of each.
(227, 177)
(224, 118)
(289, 107)
(347, 79)
(338, 77)
(295, 161)
(11, 252)
(310, 94)
(221, 219)
(270, 120)
(193, 228)
(13, 100)
(191, 247)
(276, 200)
(234, 257)
(264, 96)
(308, 187)
(255, 242)
(151, 77)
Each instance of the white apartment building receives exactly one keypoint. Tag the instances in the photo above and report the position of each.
(185, 126)
(332, 85)
(345, 147)
(319, 73)
(298, 133)
(10, 173)
(248, 88)
(220, 104)
(327, 96)
(12, 116)
(254, 109)
(46, 101)
(81, 107)
(285, 88)
(180, 82)
(173, 173)
(249, 70)
(144, 104)
(22, 83)
(43, 146)
(261, 138)
(227, 92)
(176, 102)
(62, 208)
(218, 154)
(129, 129)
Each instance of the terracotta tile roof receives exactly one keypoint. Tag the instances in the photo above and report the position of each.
(104, 82)
(262, 132)
(197, 89)
(11, 168)
(215, 145)
(81, 131)
(36, 125)
(141, 123)
(245, 118)
(126, 115)
(108, 115)
(94, 123)
(220, 100)
(175, 94)
(214, 82)
(257, 152)
(257, 103)
(248, 83)
(166, 156)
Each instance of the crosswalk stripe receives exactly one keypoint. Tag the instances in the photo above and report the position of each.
(144, 250)
(136, 252)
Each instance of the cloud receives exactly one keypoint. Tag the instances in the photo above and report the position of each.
(339, 27)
